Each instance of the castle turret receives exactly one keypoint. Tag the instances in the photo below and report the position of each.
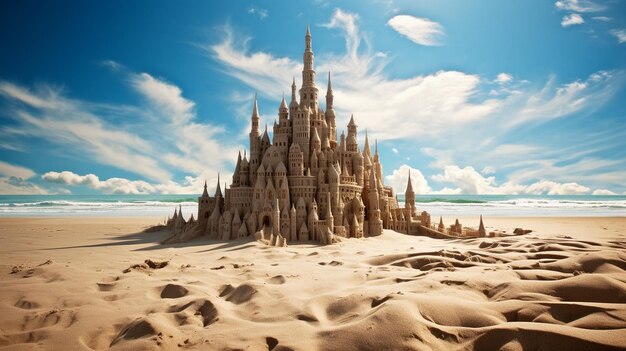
(203, 209)
(351, 144)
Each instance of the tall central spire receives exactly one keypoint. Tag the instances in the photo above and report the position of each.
(308, 92)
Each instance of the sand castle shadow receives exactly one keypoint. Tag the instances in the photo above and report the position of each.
(150, 236)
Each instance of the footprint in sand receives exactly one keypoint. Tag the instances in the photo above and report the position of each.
(173, 291)
(243, 293)
(277, 279)
(26, 304)
(203, 308)
(136, 329)
(106, 286)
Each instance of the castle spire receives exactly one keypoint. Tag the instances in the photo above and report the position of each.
(255, 115)
(218, 190)
(376, 151)
(366, 149)
(283, 104)
(481, 228)
(294, 101)
(351, 123)
(329, 90)
(205, 192)
(409, 185)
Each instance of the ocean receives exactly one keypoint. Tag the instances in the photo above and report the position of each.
(436, 205)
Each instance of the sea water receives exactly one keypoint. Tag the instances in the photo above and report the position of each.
(436, 205)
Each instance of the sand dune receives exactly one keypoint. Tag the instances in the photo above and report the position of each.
(93, 284)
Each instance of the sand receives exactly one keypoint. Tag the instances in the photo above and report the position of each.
(99, 283)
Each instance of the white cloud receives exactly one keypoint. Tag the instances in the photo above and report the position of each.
(601, 18)
(421, 31)
(166, 97)
(74, 124)
(488, 170)
(555, 101)
(268, 75)
(603, 192)
(398, 180)
(504, 78)
(262, 13)
(434, 101)
(444, 102)
(468, 181)
(394, 150)
(571, 20)
(620, 34)
(579, 6)
(9, 170)
(13, 180)
(112, 65)
(17, 186)
(191, 185)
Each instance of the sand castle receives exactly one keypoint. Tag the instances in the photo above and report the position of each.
(305, 184)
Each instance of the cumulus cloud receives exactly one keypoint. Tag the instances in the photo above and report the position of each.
(398, 180)
(572, 20)
(421, 31)
(504, 78)
(579, 6)
(468, 181)
(603, 192)
(438, 103)
(116, 185)
(488, 170)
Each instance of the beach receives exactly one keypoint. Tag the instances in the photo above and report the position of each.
(87, 283)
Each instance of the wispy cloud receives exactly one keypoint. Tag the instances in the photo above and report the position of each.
(8, 170)
(154, 140)
(620, 34)
(421, 31)
(579, 5)
(601, 18)
(572, 20)
(14, 180)
(262, 13)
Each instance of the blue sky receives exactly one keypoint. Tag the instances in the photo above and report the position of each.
(488, 97)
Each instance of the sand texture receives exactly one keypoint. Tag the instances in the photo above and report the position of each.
(94, 284)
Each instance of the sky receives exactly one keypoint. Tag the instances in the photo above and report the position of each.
(469, 97)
